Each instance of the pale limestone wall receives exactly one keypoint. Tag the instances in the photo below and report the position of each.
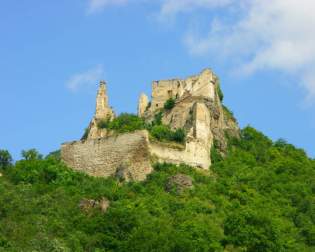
(198, 145)
(106, 156)
(102, 111)
(198, 110)
(195, 154)
(143, 104)
(202, 85)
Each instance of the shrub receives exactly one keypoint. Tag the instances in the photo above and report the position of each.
(179, 136)
(164, 133)
(157, 118)
(123, 123)
(169, 104)
(103, 124)
(5, 159)
(160, 132)
(219, 91)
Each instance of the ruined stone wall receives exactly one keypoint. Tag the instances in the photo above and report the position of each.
(102, 112)
(195, 154)
(202, 85)
(198, 110)
(126, 153)
(198, 144)
(102, 109)
(142, 105)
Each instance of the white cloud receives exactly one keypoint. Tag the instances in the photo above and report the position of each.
(259, 34)
(168, 8)
(171, 8)
(268, 35)
(99, 5)
(87, 78)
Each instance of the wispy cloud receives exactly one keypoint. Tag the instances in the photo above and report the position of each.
(278, 35)
(95, 6)
(168, 8)
(259, 35)
(171, 8)
(84, 79)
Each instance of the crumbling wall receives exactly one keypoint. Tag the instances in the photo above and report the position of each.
(202, 85)
(198, 144)
(195, 154)
(125, 154)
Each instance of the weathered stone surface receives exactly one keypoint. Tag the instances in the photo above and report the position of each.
(179, 183)
(102, 108)
(198, 110)
(198, 86)
(143, 104)
(198, 144)
(104, 157)
(102, 112)
(196, 89)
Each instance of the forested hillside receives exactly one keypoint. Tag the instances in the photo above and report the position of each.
(260, 197)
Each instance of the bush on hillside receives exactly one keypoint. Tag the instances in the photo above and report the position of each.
(123, 123)
(164, 133)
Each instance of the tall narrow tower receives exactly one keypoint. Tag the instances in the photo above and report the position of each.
(103, 111)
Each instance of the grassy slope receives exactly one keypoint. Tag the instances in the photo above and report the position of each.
(260, 198)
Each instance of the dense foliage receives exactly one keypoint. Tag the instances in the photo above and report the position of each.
(5, 159)
(123, 123)
(165, 133)
(259, 198)
(129, 123)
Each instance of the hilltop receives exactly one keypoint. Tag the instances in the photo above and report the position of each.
(257, 195)
(184, 119)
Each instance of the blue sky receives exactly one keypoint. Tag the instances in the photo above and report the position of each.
(53, 53)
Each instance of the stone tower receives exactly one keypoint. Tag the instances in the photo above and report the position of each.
(102, 112)
(143, 104)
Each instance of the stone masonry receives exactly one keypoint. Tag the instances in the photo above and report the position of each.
(198, 110)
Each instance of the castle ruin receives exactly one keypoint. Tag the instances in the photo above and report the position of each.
(197, 109)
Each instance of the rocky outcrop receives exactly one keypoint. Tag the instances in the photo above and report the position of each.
(198, 89)
(179, 183)
(197, 109)
(87, 205)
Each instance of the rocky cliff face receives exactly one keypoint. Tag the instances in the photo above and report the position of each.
(199, 89)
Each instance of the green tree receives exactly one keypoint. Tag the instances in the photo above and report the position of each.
(31, 154)
(5, 159)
